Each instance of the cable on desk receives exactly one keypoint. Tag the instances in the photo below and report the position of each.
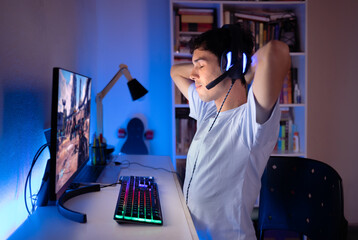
(142, 165)
(111, 184)
(33, 197)
(74, 186)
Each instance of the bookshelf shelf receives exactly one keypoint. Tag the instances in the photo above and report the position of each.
(288, 154)
(183, 55)
(189, 33)
(180, 156)
(298, 54)
(292, 105)
(188, 55)
(181, 106)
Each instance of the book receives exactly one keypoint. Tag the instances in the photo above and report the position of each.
(267, 26)
(264, 16)
(287, 89)
(180, 167)
(176, 33)
(185, 130)
(183, 59)
(261, 35)
(190, 22)
(197, 19)
(286, 131)
(195, 11)
(195, 27)
(253, 17)
(227, 17)
(177, 94)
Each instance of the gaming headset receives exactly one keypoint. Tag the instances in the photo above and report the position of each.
(232, 64)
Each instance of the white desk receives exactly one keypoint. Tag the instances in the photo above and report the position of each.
(48, 223)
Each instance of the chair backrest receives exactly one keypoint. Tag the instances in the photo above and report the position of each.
(134, 143)
(304, 196)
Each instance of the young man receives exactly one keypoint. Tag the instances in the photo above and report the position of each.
(237, 130)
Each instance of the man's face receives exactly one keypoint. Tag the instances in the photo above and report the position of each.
(205, 70)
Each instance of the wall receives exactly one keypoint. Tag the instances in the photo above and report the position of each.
(332, 85)
(35, 36)
(136, 33)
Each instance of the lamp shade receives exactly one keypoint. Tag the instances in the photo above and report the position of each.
(136, 89)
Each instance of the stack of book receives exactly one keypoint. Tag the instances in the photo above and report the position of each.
(179, 97)
(287, 130)
(185, 130)
(289, 83)
(267, 26)
(180, 169)
(190, 22)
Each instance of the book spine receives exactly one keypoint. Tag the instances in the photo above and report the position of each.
(286, 131)
(227, 17)
(195, 27)
(195, 11)
(191, 22)
(279, 26)
(261, 35)
(286, 96)
(197, 19)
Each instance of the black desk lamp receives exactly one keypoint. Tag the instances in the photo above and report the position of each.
(136, 90)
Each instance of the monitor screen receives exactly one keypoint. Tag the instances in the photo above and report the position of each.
(70, 128)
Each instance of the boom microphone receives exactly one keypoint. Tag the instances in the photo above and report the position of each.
(216, 81)
(222, 77)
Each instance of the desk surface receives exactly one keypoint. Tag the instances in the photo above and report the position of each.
(48, 223)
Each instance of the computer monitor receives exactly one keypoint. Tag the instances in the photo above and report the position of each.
(70, 129)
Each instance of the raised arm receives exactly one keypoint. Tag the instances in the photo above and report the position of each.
(180, 74)
(270, 65)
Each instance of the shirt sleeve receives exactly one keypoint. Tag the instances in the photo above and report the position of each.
(261, 134)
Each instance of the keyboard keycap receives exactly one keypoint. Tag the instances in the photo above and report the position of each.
(138, 201)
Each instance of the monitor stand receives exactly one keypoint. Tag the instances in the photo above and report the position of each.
(73, 215)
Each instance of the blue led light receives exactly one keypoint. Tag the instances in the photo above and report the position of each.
(228, 57)
(244, 61)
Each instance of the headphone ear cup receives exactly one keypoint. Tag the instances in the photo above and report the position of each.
(223, 62)
(226, 61)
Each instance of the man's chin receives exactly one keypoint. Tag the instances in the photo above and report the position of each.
(203, 95)
(204, 98)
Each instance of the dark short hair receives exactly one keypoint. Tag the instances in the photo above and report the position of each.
(218, 40)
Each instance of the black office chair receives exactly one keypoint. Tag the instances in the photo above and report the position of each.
(304, 196)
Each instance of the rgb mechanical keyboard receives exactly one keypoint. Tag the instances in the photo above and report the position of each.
(138, 201)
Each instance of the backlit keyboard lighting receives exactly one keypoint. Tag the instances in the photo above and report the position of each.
(138, 201)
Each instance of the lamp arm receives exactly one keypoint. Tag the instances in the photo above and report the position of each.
(123, 70)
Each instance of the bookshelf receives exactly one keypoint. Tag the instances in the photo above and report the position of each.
(223, 12)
